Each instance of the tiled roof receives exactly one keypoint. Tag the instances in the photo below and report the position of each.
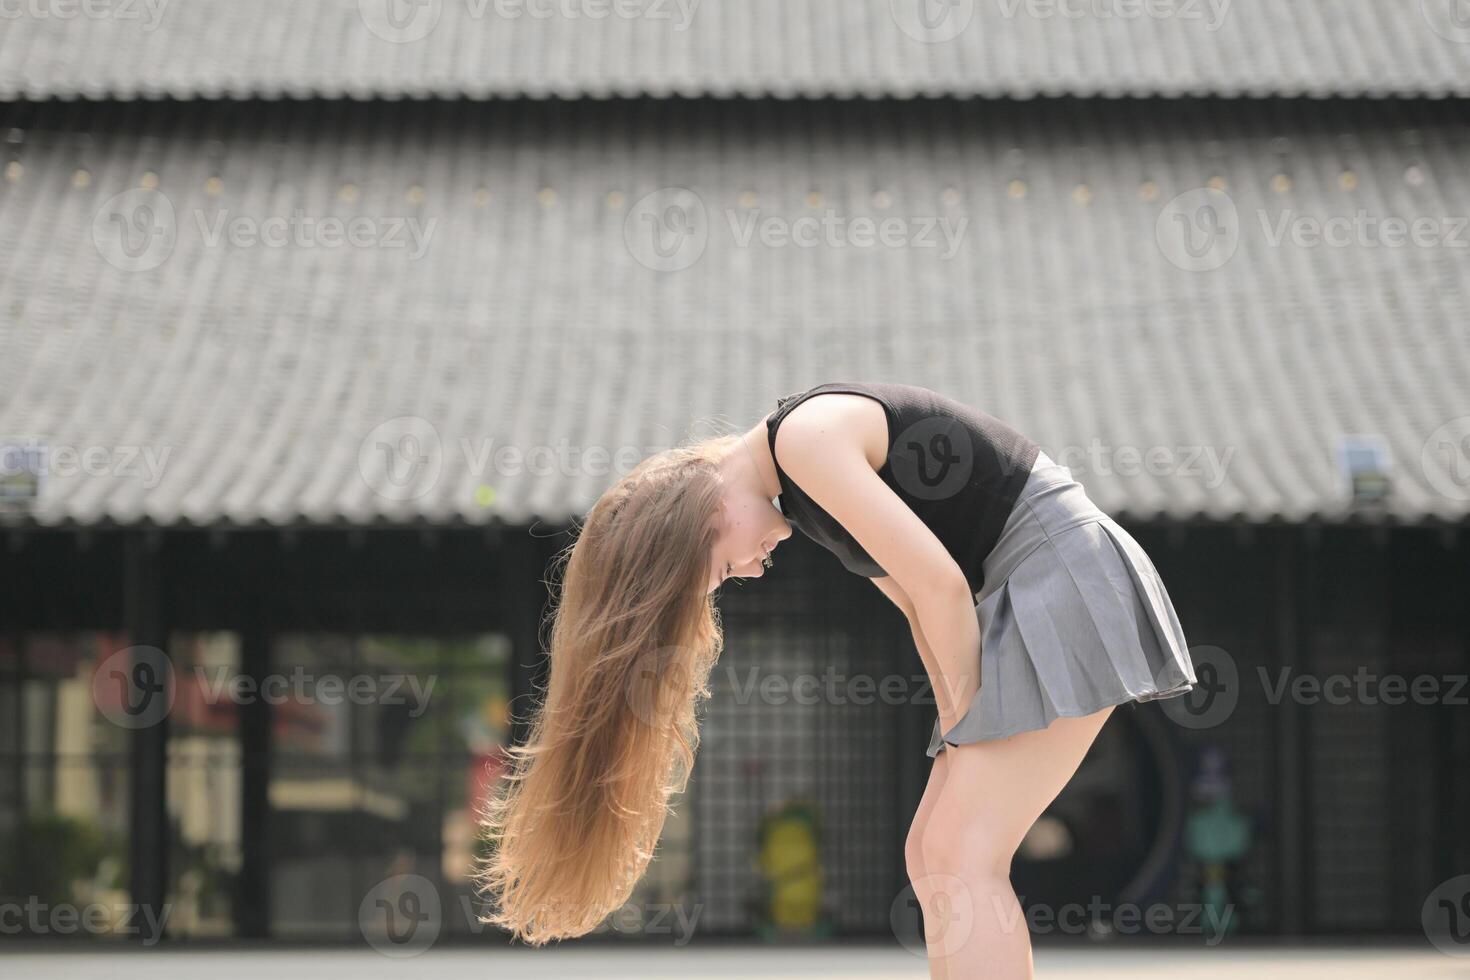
(533, 313)
(489, 48)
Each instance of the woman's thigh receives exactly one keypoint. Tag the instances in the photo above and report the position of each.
(993, 791)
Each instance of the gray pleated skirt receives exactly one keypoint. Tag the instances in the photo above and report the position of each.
(1073, 618)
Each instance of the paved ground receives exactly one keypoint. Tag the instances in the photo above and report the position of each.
(728, 963)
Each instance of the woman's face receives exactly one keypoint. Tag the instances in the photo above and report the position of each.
(748, 526)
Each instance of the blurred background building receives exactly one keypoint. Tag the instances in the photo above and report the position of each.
(322, 324)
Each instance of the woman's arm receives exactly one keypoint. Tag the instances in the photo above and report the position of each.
(950, 714)
(822, 451)
(900, 598)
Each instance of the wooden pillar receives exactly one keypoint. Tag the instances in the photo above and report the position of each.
(1292, 746)
(143, 615)
(252, 897)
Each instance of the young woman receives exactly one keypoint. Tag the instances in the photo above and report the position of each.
(1033, 612)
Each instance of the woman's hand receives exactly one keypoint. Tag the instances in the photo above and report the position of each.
(954, 690)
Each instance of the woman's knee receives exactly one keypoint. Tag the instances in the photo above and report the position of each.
(913, 852)
(964, 848)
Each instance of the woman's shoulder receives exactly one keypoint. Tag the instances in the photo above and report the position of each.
(836, 418)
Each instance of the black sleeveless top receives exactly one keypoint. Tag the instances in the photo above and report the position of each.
(959, 469)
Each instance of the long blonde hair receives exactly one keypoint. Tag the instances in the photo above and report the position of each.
(574, 823)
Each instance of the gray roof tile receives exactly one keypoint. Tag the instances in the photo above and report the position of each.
(481, 48)
(530, 322)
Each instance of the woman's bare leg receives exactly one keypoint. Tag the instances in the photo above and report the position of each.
(992, 793)
(913, 852)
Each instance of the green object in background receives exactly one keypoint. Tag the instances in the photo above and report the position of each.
(1216, 835)
(50, 854)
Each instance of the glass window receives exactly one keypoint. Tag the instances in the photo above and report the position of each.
(204, 785)
(64, 785)
(384, 747)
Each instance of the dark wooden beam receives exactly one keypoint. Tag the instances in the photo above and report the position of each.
(143, 617)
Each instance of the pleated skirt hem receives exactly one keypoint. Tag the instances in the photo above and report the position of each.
(1077, 619)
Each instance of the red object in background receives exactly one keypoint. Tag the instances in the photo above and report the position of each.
(485, 771)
